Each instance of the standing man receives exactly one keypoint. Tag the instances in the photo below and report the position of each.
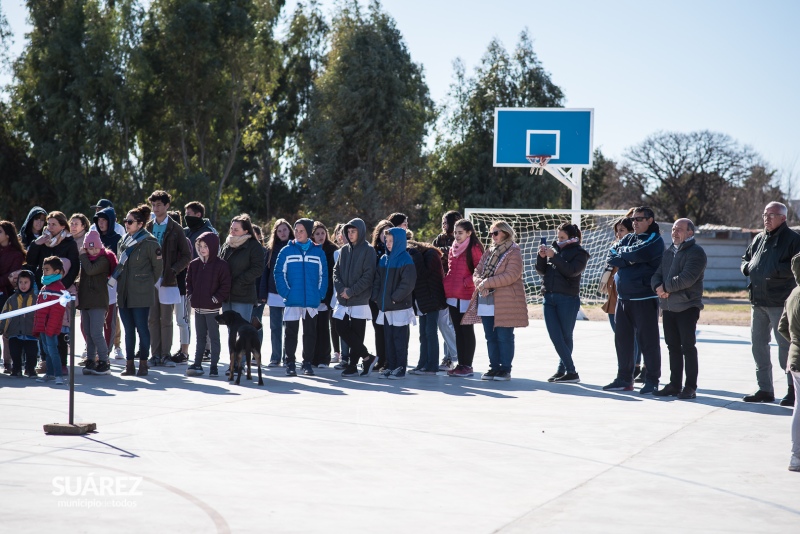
(176, 255)
(637, 257)
(679, 284)
(102, 204)
(767, 262)
(196, 223)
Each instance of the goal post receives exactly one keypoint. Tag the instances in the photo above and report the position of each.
(597, 229)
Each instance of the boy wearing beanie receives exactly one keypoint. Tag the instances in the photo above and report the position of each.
(19, 329)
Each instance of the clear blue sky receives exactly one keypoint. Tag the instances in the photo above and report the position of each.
(725, 65)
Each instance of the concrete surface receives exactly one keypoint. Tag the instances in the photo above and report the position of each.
(425, 454)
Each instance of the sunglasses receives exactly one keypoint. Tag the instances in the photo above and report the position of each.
(495, 233)
(640, 219)
(130, 221)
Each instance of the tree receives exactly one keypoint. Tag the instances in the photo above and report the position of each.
(461, 165)
(368, 117)
(689, 175)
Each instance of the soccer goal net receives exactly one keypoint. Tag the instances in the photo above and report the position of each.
(531, 225)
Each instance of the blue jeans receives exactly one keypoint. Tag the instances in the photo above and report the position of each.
(135, 320)
(560, 314)
(52, 356)
(429, 342)
(242, 308)
(276, 333)
(258, 313)
(500, 345)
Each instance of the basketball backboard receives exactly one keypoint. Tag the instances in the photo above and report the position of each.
(565, 134)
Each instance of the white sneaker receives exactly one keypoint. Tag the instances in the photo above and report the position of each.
(59, 381)
(337, 357)
(322, 366)
(118, 354)
(794, 463)
(446, 365)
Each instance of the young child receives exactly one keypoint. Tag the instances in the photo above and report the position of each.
(392, 289)
(97, 264)
(19, 330)
(47, 321)
(208, 285)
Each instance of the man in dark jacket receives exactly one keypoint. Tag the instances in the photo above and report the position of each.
(767, 262)
(637, 256)
(176, 255)
(196, 225)
(679, 284)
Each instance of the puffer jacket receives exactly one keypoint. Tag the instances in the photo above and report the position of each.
(510, 306)
(355, 269)
(48, 321)
(767, 261)
(396, 277)
(21, 325)
(789, 325)
(136, 284)
(210, 280)
(301, 276)
(458, 280)
(429, 289)
(637, 256)
(175, 252)
(681, 273)
(247, 263)
(562, 273)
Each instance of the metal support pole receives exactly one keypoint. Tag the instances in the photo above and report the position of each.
(577, 182)
(71, 342)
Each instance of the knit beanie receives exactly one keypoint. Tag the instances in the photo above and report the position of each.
(92, 239)
(308, 224)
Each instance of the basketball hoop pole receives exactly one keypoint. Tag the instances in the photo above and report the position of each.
(571, 177)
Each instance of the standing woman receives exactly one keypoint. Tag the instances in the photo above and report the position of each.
(281, 234)
(12, 257)
(561, 266)
(379, 244)
(499, 299)
(245, 258)
(140, 265)
(322, 352)
(78, 226)
(459, 287)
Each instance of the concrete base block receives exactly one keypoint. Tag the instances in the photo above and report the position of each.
(63, 429)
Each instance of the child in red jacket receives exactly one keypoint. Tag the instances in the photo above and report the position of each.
(47, 321)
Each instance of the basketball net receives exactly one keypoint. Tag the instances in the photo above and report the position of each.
(538, 163)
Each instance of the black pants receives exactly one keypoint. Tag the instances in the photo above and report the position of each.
(465, 338)
(291, 331)
(18, 347)
(680, 335)
(334, 334)
(352, 332)
(637, 319)
(322, 351)
(380, 339)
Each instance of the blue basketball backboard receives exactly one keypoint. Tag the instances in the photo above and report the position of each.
(565, 134)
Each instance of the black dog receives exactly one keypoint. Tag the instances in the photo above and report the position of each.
(242, 339)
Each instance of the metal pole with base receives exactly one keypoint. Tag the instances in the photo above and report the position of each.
(70, 429)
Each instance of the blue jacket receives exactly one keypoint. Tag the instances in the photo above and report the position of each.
(396, 277)
(638, 257)
(301, 278)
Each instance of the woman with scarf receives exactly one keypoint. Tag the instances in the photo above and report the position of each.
(140, 265)
(459, 288)
(561, 266)
(499, 299)
(245, 257)
(282, 233)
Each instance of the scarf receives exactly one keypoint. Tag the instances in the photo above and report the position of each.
(130, 243)
(562, 244)
(235, 241)
(459, 248)
(112, 259)
(57, 239)
(495, 253)
(50, 278)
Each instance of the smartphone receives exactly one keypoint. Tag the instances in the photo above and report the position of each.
(543, 241)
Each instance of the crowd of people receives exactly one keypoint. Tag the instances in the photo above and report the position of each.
(160, 268)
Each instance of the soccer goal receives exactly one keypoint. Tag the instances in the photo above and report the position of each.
(531, 225)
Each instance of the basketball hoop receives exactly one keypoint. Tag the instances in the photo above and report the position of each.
(538, 163)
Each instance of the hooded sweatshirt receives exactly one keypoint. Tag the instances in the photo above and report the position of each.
(355, 269)
(397, 276)
(208, 283)
(26, 230)
(21, 325)
(111, 237)
(195, 227)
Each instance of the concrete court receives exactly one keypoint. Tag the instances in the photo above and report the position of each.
(426, 454)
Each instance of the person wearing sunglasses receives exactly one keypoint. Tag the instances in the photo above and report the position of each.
(561, 266)
(767, 261)
(140, 264)
(637, 256)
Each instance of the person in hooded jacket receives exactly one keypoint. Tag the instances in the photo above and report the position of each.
(33, 226)
(282, 233)
(561, 266)
(105, 222)
(301, 277)
(392, 291)
(428, 300)
(208, 285)
(19, 330)
(322, 353)
(353, 276)
(196, 223)
(102, 204)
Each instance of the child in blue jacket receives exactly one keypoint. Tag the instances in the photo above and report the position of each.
(301, 278)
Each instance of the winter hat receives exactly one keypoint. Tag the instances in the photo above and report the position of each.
(92, 239)
(308, 224)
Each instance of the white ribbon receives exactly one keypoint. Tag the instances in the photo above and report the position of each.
(64, 299)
